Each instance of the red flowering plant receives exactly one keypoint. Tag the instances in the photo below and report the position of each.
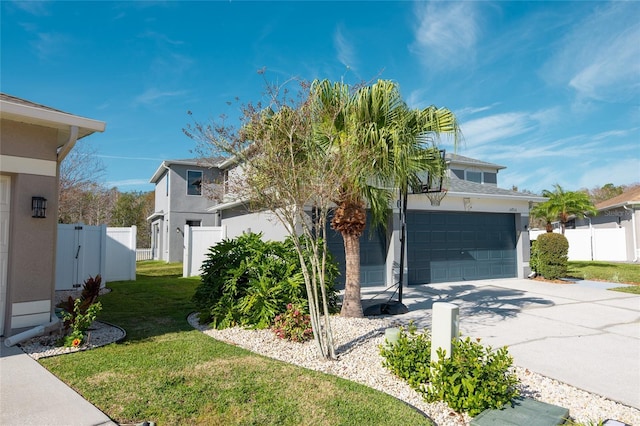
(293, 325)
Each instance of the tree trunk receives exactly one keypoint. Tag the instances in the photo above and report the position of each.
(351, 304)
(549, 227)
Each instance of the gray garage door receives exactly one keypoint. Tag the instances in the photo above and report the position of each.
(453, 246)
(373, 253)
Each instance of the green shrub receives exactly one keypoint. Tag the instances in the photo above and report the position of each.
(293, 325)
(534, 262)
(246, 281)
(79, 322)
(409, 357)
(552, 255)
(473, 379)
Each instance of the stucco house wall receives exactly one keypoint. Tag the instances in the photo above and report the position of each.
(622, 211)
(35, 139)
(175, 208)
(471, 201)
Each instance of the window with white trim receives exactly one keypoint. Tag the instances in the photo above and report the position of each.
(194, 182)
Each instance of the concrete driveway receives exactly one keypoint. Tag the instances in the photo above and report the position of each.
(581, 334)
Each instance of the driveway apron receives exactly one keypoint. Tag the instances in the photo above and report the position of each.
(580, 333)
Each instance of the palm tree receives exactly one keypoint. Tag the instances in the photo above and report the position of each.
(561, 205)
(544, 212)
(382, 145)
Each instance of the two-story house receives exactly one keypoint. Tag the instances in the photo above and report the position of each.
(477, 231)
(183, 192)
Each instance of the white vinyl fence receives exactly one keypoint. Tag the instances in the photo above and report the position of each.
(144, 254)
(121, 254)
(197, 241)
(594, 243)
(83, 251)
(80, 253)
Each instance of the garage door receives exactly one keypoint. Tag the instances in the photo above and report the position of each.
(373, 254)
(454, 246)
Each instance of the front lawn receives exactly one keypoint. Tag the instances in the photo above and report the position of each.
(624, 273)
(168, 373)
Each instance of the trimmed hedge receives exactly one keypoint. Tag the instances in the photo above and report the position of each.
(551, 255)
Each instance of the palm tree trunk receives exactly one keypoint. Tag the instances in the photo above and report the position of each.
(351, 304)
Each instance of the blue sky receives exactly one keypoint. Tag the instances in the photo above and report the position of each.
(551, 90)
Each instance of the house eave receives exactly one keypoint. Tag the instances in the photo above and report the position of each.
(156, 215)
(532, 198)
(45, 117)
(627, 204)
(226, 206)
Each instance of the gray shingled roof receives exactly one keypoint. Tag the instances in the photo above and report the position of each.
(16, 100)
(456, 185)
(472, 161)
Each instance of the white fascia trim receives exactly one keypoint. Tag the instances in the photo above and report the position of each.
(534, 198)
(33, 114)
(628, 204)
(156, 215)
(159, 172)
(33, 166)
(225, 206)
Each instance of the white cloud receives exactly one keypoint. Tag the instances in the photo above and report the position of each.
(128, 182)
(50, 45)
(153, 95)
(120, 157)
(344, 48)
(37, 8)
(474, 110)
(446, 33)
(599, 57)
(496, 128)
(618, 172)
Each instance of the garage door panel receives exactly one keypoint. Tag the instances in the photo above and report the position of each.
(454, 246)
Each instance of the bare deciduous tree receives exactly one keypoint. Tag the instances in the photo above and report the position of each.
(285, 171)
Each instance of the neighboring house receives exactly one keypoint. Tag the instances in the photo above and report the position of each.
(35, 139)
(182, 195)
(479, 231)
(623, 212)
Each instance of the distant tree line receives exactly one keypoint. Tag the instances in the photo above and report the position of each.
(83, 199)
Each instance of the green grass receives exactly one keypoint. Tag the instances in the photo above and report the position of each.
(171, 374)
(627, 273)
(624, 273)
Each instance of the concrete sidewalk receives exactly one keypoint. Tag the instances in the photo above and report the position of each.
(31, 395)
(580, 334)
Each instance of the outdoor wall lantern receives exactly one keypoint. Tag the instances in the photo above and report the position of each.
(39, 207)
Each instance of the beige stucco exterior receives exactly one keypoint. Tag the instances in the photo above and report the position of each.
(32, 138)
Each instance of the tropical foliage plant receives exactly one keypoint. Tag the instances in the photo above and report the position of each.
(247, 281)
(79, 321)
(293, 324)
(72, 307)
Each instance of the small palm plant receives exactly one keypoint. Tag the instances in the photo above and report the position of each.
(562, 205)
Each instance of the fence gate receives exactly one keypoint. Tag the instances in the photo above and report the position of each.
(80, 253)
(197, 241)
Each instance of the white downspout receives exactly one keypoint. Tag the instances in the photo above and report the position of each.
(33, 332)
(68, 146)
(633, 231)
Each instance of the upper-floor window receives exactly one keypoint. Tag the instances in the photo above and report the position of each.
(476, 176)
(473, 176)
(194, 182)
